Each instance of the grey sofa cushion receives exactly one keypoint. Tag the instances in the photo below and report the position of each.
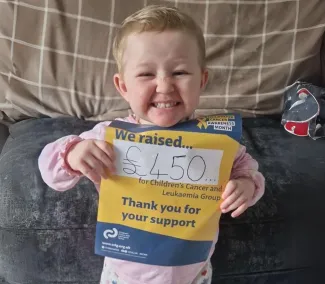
(48, 236)
(281, 239)
(45, 236)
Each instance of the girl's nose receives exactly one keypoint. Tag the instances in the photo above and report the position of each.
(164, 85)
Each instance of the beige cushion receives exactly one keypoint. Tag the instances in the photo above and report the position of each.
(56, 57)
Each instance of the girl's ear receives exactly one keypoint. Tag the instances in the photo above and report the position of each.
(204, 78)
(120, 86)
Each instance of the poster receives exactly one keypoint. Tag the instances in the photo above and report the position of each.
(162, 205)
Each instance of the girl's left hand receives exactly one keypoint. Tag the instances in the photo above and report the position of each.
(238, 195)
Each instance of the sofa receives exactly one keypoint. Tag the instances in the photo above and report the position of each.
(56, 68)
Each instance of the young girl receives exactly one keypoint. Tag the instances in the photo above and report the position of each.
(160, 53)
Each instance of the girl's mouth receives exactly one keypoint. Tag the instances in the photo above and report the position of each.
(165, 105)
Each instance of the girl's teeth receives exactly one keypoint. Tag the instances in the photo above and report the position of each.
(163, 105)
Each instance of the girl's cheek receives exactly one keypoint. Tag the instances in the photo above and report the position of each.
(137, 85)
(142, 86)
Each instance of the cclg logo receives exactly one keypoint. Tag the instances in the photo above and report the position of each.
(110, 233)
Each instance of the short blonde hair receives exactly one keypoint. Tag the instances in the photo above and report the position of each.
(157, 18)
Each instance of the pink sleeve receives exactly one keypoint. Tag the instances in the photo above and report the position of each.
(51, 162)
(246, 166)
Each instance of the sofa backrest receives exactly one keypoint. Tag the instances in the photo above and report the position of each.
(56, 56)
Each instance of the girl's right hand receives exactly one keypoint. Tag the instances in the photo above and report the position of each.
(92, 158)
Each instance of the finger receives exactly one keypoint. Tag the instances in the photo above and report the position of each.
(230, 187)
(106, 161)
(230, 199)
(88, 172)
(240, 210)
(94, 177)
(238, 202)
(107, 148)
(96, 166)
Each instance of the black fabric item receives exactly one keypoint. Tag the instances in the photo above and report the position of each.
(3, 136)
(48, 237)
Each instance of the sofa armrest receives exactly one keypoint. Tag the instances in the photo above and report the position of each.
(4, 133)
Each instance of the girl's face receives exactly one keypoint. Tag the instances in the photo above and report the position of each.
(162, 78)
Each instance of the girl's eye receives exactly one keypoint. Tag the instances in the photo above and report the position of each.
(179, 73)
(145, 74)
